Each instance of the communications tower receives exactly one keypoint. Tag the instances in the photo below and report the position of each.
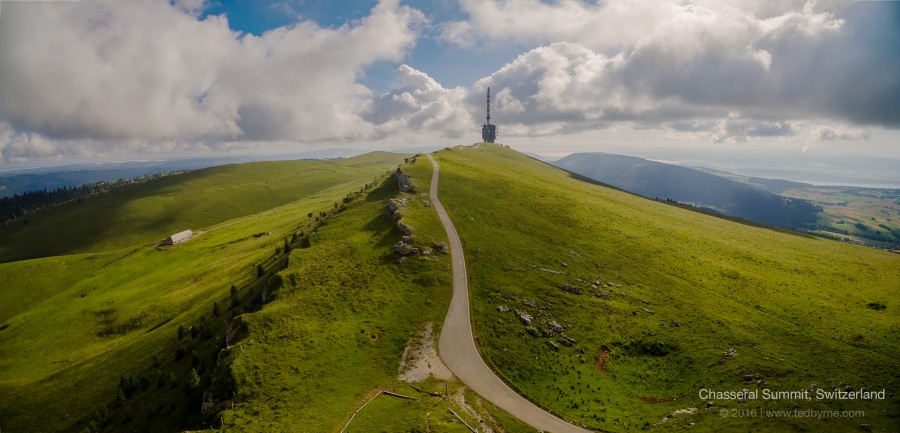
(488, 131)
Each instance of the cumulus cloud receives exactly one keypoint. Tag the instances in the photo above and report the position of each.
(150, 70)
(652, 62)
(103, 76)
(420, 104)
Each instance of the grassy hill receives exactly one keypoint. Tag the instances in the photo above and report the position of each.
(233, 330)
(73, 327)
(677, 290)
(687, 185)
(269, 338)
(150, 211)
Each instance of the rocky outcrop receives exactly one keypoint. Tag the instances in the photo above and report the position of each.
(566, 341)
(403, 228)
(441, 247)
(404, 181)
(571, 289)
(524, 317)
(405, 249)
(236, 331)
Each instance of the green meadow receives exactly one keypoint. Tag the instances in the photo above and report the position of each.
(150, 211)
(336, 334)
(290, 310)
(172, 338)
(677, 290)
(74, 326)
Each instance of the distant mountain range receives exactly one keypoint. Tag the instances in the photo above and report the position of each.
(751, 199)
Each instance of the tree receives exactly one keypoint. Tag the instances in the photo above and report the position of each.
(260, 272)
(180, 332)
(287, 246)
(195, 379)
(215, 309)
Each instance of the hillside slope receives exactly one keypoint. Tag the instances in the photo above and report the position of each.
(653, 298)
(285, 320)
(687, 185)
(150, 211)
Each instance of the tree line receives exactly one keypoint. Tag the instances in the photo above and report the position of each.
(20, 205)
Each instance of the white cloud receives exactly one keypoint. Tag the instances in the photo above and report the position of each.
(420, 105)
(750, 75)
(149, 70)
(104, 77)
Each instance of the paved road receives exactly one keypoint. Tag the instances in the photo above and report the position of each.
(457, 345)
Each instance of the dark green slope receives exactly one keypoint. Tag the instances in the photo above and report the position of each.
(687, 185)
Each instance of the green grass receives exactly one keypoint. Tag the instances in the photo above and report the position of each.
(150, 211)
(56, 312)
(794, 307)
(337, 332)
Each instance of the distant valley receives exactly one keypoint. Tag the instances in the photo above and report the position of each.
(858, 215)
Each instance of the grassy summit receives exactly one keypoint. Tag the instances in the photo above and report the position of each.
(677, 290)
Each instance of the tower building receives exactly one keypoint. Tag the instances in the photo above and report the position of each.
(488, 131)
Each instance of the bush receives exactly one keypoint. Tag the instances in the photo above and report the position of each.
(877, 305)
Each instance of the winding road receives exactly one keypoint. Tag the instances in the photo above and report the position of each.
(457, 343)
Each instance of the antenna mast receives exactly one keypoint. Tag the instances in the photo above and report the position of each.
(488, 131)
(489, 106)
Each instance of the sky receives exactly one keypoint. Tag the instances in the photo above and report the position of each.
(802, 89)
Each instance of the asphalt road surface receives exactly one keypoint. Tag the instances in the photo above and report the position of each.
(457, 344)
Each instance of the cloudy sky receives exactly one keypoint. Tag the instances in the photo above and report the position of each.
(753, 84)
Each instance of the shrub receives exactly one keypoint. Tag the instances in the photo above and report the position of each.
(877, 305)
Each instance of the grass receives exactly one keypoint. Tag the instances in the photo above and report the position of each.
(77, 329)
(337, 332)
(73, 326)
(688, 287)
(150, 211)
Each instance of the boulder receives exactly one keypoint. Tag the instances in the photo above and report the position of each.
(533, 331)
(403, 228)
(602, 294)
(571, 289)
(566, 341)
(441, 247)
(404, 182)
(555, 327)
(405, 249)
(524, 317)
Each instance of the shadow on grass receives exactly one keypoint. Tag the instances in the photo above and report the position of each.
(703, 211)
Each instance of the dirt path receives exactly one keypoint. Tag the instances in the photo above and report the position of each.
(457, 345)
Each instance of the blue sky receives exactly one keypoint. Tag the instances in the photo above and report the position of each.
(448, 64)
(779, 83)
